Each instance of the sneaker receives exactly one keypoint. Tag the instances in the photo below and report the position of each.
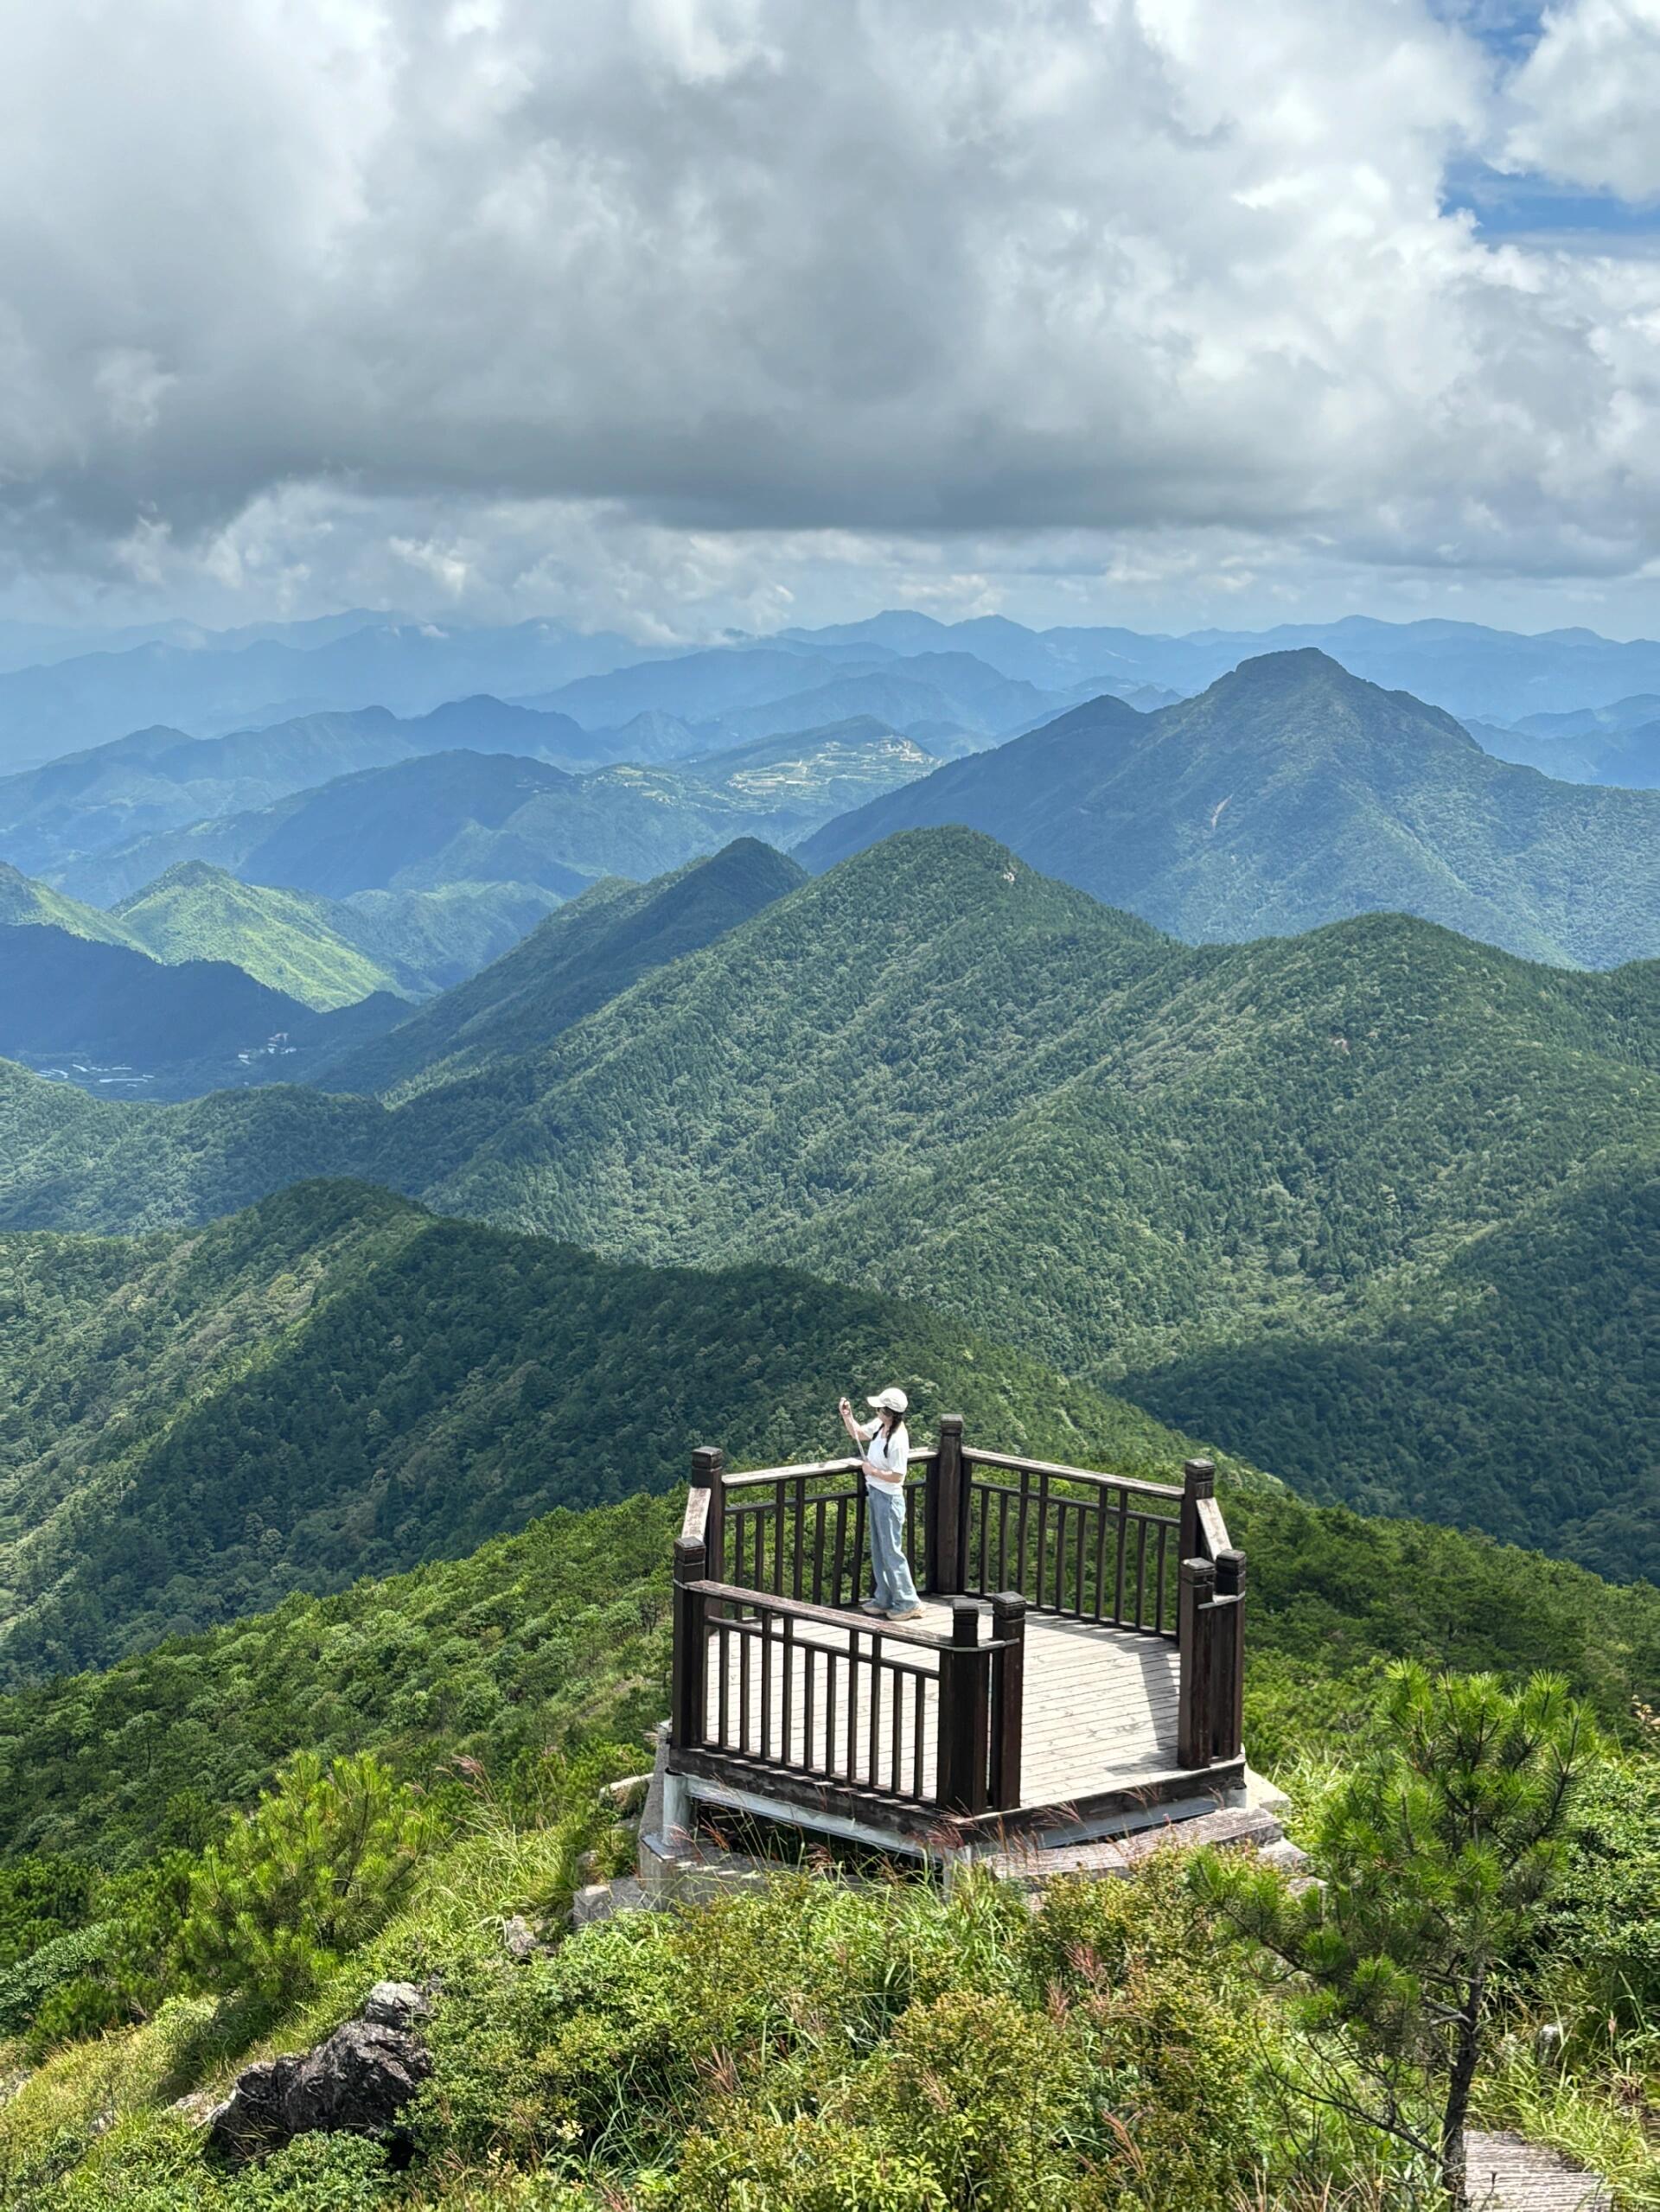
(873, 1605)
(907, 1613)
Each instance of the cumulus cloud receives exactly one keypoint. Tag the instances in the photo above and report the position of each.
(492, 300)
(1590, 95)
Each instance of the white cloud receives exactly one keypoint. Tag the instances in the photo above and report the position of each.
(1589, 94)
(309, 300)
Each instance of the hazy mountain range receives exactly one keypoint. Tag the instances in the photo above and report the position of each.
(468, 817)
(985, 676)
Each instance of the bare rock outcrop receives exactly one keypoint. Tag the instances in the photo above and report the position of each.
(357, 2081)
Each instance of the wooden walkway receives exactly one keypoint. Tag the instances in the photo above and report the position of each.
(1100, 1709)
(1506, 2173)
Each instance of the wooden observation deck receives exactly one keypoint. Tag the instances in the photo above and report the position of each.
(1079, 1670)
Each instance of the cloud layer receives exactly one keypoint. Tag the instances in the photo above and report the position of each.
(632, 308)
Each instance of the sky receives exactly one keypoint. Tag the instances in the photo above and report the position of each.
(671, 315)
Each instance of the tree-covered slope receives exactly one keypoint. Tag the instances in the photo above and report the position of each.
(563, 1627)
(937, 1073)
(1290, 794)
(434, 940)
(337, 1383)
(576, 960)
(284, 939)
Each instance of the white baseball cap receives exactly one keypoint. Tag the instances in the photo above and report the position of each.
(891, 1400)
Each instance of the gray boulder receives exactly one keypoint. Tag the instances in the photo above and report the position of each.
(395, 2004)
(357, 2082)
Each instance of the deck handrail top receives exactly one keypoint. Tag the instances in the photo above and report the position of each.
(973, 1453)
(801, 1470)
(836, 1616)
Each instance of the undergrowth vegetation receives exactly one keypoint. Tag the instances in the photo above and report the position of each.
(815, 2046)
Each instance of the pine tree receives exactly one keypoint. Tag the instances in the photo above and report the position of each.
(323, 1862)
(1439, 1856)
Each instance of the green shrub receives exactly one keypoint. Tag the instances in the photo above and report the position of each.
(1606, 1923)
(323, 1861)
(24, 1987)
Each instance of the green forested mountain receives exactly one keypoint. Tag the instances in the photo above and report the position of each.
(1290, 794)
(1377, 1146)
(337, 1383)
(320, 951)
(195, 912)
(581, 956)
(432, 939)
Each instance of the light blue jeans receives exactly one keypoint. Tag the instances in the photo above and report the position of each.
(885, 1509)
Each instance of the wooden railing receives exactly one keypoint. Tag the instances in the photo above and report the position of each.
(774, 1674)
(774, 1681)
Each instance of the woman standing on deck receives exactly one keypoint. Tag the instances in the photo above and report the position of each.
(885, 1447)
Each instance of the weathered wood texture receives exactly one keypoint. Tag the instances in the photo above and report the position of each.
(1099, 1705)
(1506, 2173)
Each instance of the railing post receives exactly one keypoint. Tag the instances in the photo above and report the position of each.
(962, 1759)
(1229, 1715)
(1195, 1613)
(688, 1697)
(1008, 1698)
(1198, 1480)
(945, 1510)
(708, 1472)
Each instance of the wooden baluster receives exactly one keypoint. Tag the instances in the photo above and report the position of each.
(780, 1537)
(820, 1507)
(1123, 1558)
(1229, 1718)
(1042, 1534)
(946, 1510)
(1008, 1698)
(709, 1473)
(842, 1551)
(1100, 1613)
(799, 1542)
(964, 1717)
(689, 1696)
(1195, 1728)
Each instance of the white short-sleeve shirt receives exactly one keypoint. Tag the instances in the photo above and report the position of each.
(889, 1453)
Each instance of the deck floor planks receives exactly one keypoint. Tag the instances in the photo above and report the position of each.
(1100, 1707)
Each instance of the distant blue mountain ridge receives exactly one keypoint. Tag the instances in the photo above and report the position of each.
(208, 683)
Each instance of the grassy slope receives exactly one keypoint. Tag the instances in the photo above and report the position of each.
(26, 904)
(285, 939)
(1290, 794)
(338, 1384)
